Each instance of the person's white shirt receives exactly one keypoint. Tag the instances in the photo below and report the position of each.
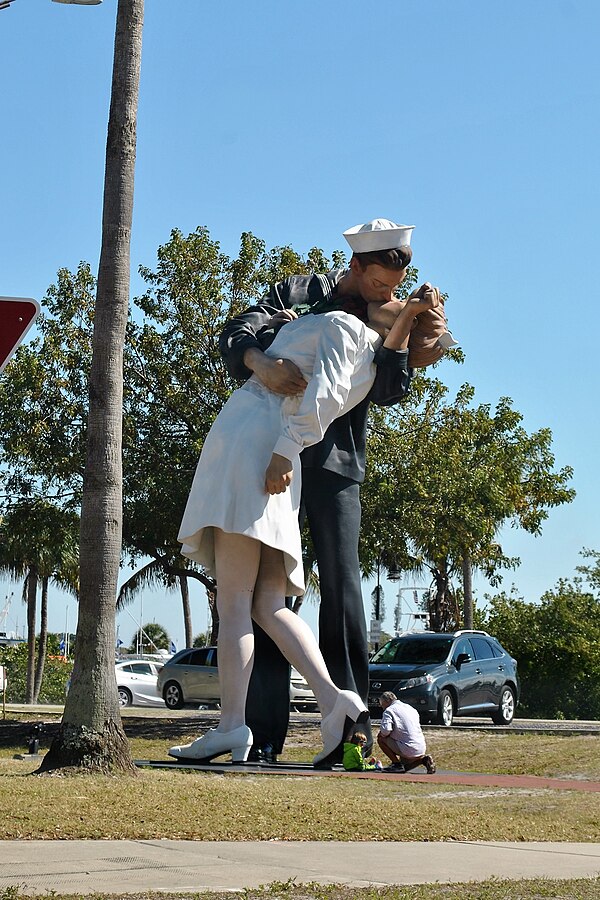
(401, 723)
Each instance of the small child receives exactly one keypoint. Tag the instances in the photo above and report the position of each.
(353, 760)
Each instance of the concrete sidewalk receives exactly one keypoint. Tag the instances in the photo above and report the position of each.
(122, 867)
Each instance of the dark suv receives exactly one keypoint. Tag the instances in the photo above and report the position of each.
(466, 673)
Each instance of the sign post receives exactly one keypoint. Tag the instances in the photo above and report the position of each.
(17, 315)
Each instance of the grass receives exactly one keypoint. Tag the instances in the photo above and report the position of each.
(534, 889)
(191, 805)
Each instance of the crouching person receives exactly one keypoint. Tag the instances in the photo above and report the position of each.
(401, 736)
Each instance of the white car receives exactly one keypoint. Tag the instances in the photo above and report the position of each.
(136, 682)
(301, 696)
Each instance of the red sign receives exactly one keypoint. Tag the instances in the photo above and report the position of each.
(17, 315)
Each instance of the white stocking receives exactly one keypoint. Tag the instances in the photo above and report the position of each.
(291, 634)
(237, 560)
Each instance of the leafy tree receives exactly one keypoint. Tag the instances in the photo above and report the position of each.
(443, 478)
(55, 677)
(39, 539)
(177, 384)
(557, 646)
(591, 572)
(43, 397)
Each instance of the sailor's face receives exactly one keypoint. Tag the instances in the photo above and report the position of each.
(375, 283)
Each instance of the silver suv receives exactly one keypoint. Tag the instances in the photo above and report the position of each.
(465, 673)
(192, 677)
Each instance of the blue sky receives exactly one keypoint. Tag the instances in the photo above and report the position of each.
(476, 122)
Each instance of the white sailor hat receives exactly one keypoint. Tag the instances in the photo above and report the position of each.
(380, 234)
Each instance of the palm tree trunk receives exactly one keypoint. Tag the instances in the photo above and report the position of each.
(187, 611)
(214, 616)
(91, 734)
(31, 584)
(43, 641)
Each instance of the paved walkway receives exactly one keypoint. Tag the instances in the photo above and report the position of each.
(125, 867)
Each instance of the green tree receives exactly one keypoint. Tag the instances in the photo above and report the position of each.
(557, 646)
(176, 383)
(39, 540)
(43, 397)
(591, 572)
(53, 686)
(443, 478)
(150, 638)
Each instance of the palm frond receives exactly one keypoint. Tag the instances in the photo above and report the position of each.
(312, 591)
(151, 575)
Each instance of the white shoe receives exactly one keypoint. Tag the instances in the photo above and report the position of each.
(216, 743)
(348, 704)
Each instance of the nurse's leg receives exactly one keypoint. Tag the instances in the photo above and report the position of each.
(299, 645)
(291, 634)
(237, 559)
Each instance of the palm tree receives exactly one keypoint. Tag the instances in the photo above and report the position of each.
(151, 635)
(63, 571)
(38, 541)
(91, 734)
(158, 573)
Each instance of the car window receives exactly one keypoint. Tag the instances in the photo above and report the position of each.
(420, 651)
(482, 648)
(141, 668)
(386, 654)
(463, 646)
(199, 657)
(126, 668)
(183, 660)
(496, 649)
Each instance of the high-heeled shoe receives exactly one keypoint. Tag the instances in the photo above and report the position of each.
(216, 743)
(348, 705)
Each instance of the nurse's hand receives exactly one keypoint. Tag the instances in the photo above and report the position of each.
(283, 316)
(281, 376)
(427, 296)
(278, 475)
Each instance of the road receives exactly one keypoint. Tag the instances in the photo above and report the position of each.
(571, 726)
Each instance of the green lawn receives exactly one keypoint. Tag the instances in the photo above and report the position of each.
(192, 805)
(535, 889)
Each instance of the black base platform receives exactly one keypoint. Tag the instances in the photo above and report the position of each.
(262, 768)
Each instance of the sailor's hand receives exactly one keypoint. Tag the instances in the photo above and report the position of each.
(281, 376)
(278, 476)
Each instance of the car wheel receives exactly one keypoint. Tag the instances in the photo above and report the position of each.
(173, 695)
(125, 697)
(506, 708)
(445, 712)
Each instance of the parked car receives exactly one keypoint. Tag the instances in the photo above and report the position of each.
(301, 696)
(137, 682)
(191, 677)
(465, 673)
